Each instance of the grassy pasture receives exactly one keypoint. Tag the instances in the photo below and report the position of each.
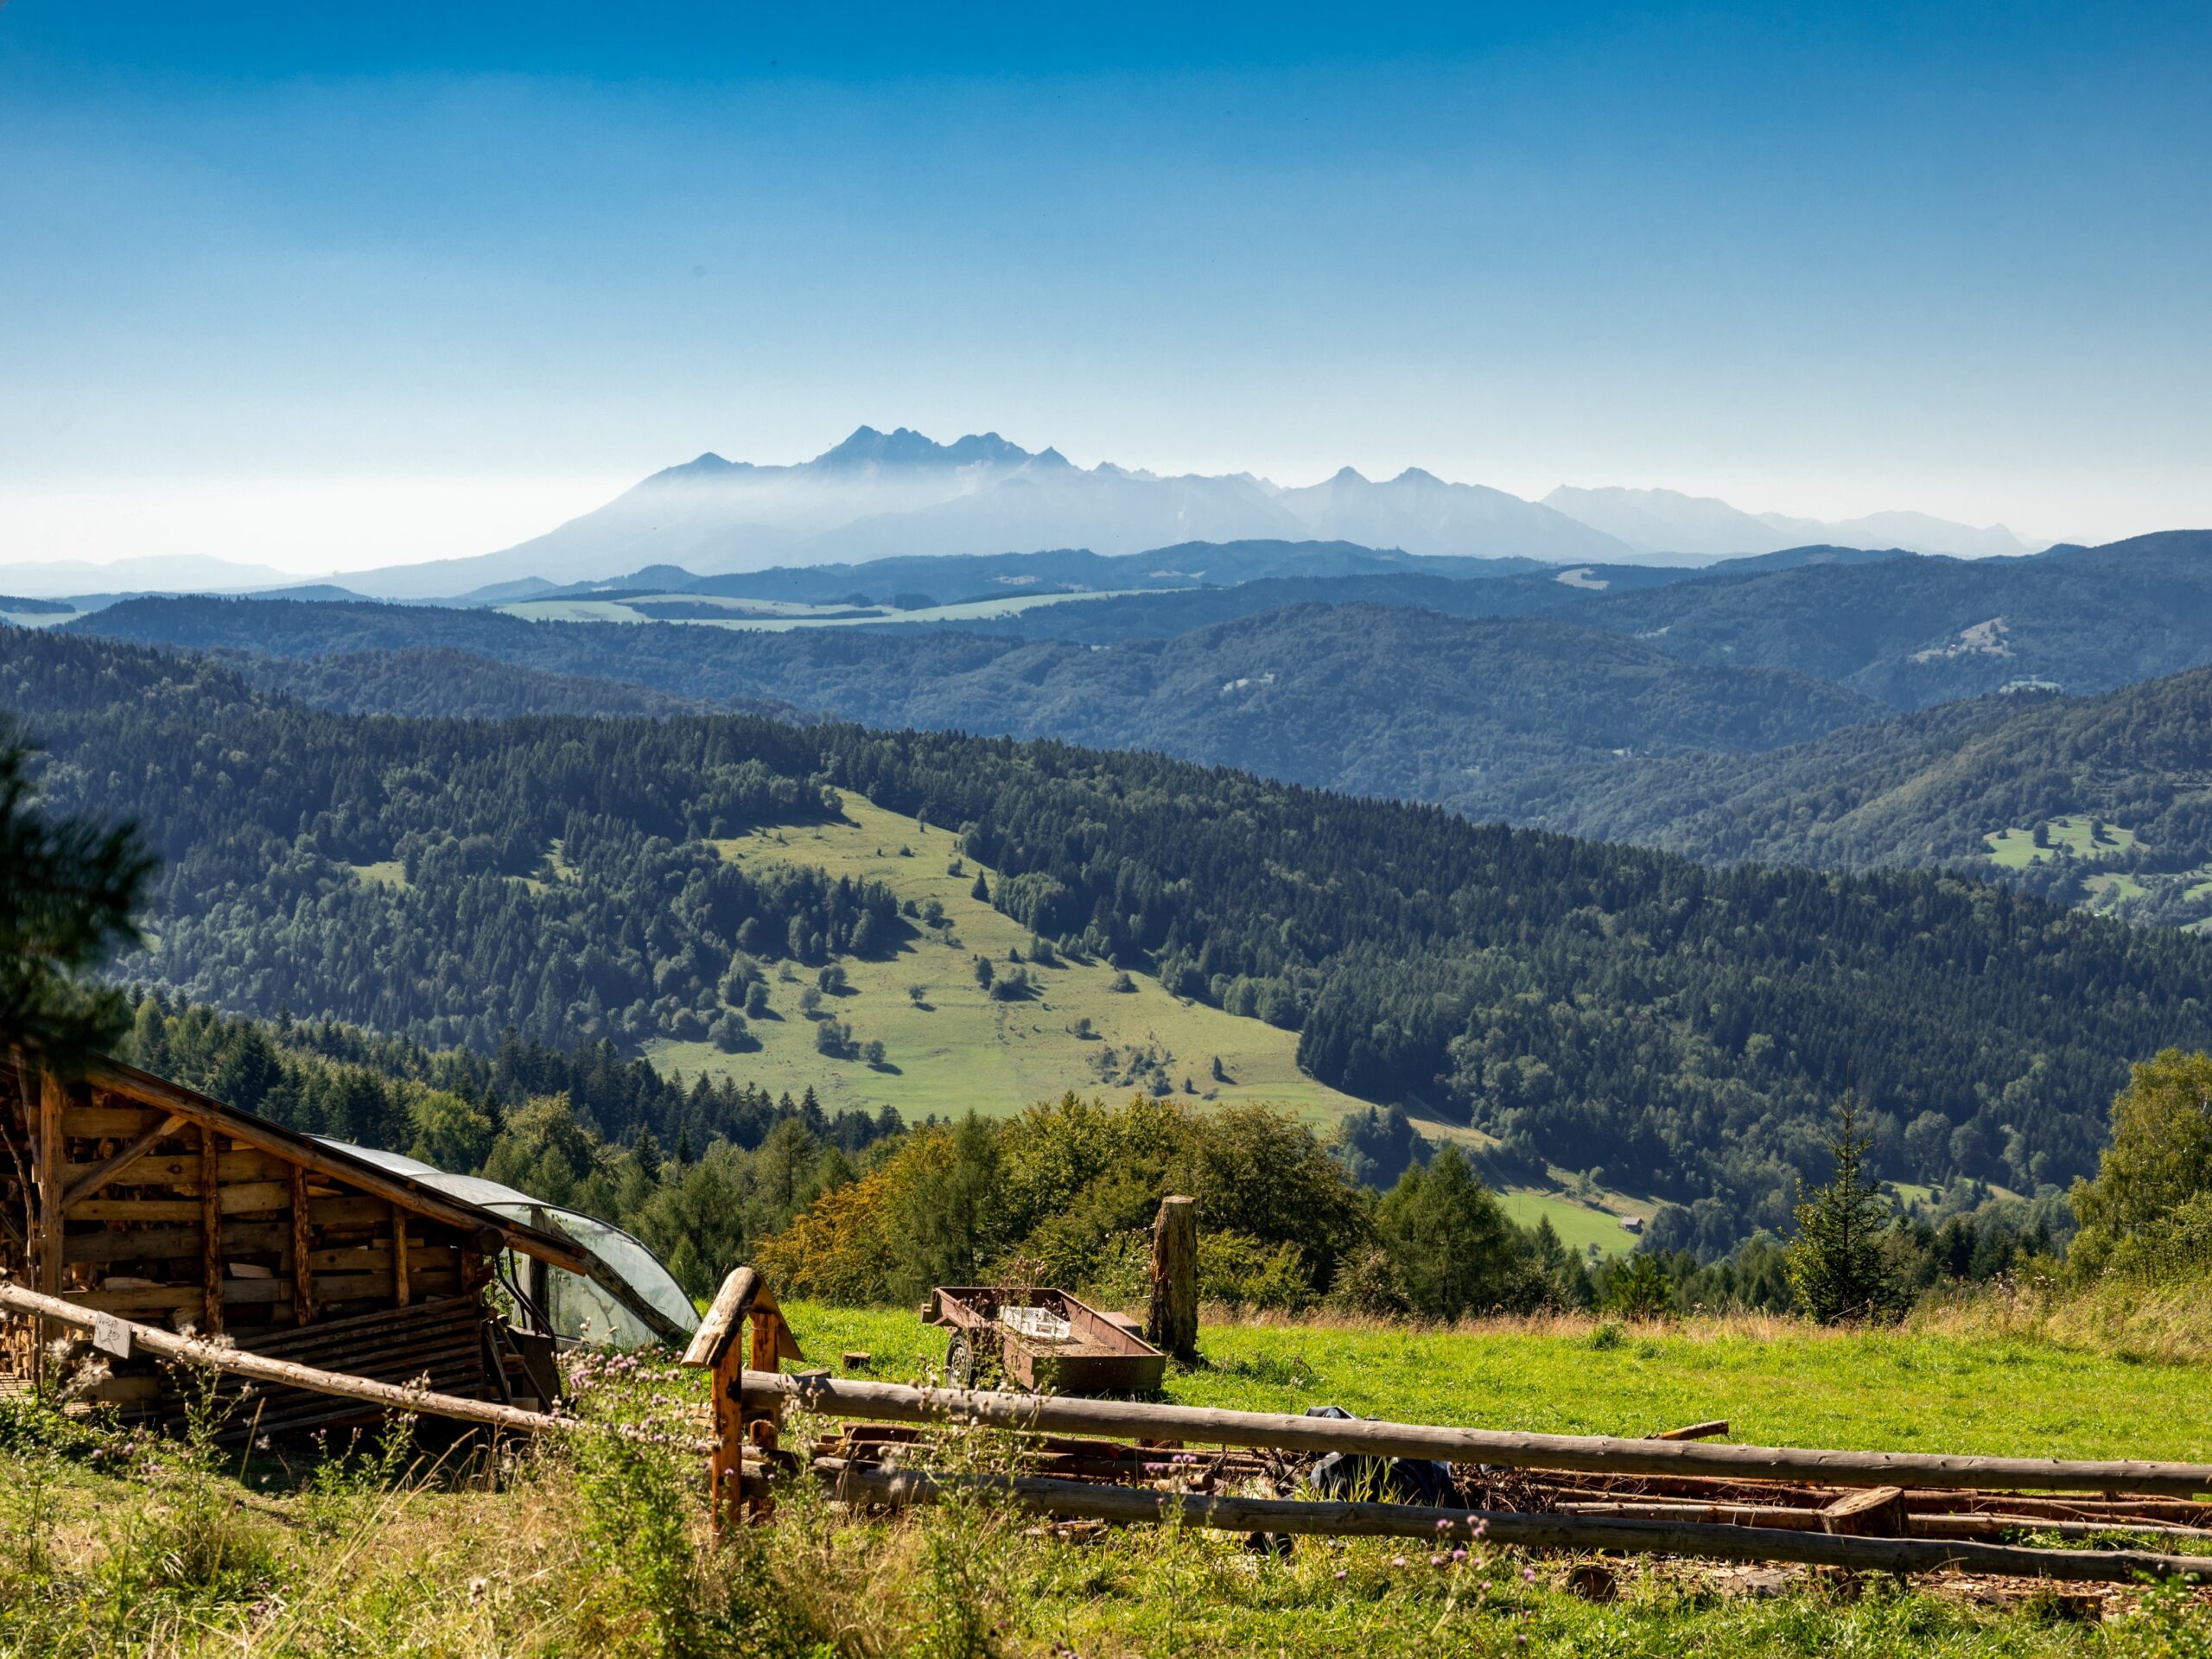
(588, 1546)
(956, 1048)
(1578, 1225)
(2016, 849)
(1776, 1382)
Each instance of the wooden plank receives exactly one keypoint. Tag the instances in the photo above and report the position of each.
(210, 1227)
(341, 1288)
(170, 1243)
(890, 1403)
(102, 1122)
(124, 1390)
(1580, 1534)
(147, 1299)
(348, 1212)
(98, 1175)
(1717, 1515)
(248, 1198)
(304, 1303)
(423, 1261)
(185, 1169)
(399, 1246)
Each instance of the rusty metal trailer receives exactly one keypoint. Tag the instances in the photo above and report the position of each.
(1035, 1338)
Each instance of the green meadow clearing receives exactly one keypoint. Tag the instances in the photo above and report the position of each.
(2015, 849)
(1776, 1382)
(954, 1048)
(586, 1544)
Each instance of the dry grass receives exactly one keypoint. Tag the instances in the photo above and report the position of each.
(2131, 1320)
(1574, 1325)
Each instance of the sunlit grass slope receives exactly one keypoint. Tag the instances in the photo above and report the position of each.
(954, 1047)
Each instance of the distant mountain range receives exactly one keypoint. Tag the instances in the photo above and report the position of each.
(887, 494)
(164, 573)
(882, 495)
(1667, 521)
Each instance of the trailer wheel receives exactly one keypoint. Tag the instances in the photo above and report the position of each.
(972, 1365)
(960, 1361)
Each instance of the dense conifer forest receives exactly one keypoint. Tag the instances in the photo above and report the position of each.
(1675, 1026)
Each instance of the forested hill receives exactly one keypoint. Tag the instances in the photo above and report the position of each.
(1372, 699)
(1915, 631)
(1684, 1028)
(2102, 800)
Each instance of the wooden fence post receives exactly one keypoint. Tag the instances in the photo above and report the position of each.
(48, 1162)
(1173, 1324)
(740, 1425)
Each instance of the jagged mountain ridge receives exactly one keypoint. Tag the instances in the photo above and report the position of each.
(879, 495)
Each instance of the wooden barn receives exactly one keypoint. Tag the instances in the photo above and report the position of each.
(132, 1195)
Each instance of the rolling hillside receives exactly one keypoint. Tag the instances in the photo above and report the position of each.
(954, 1047)
(2120, 787)
(1379, 700)
(1916, 631)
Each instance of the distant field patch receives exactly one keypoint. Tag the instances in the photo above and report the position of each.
(2016, 849)
(779, 616)
(1578, 1225)
(386, 873)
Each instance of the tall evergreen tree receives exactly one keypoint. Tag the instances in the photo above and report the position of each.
(68, 889)
(1837, 1264)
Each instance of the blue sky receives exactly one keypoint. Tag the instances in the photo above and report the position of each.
(331, 289)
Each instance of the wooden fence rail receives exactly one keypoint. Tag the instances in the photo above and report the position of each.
(220, 1356)
(888, 1403)
(1075, 1499)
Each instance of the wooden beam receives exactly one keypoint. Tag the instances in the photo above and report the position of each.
(311, 1154)
(1580, 1534)
(731, 1304)
(46, 1154)
(211, 1231)
(399, 1286)
(1605, 1454)
(1173, 1324)
(238, 1362)
(106, 1171)
(303, 1298)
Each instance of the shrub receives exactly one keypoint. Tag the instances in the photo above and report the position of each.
(1239, 1269)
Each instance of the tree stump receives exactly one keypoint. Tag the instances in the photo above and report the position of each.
(1173, 1324)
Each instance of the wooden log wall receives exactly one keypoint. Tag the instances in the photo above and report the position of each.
(129, 1207)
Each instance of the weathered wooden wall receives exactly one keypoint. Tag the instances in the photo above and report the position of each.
(126, 1205)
